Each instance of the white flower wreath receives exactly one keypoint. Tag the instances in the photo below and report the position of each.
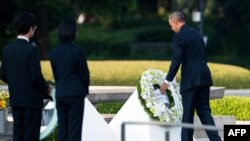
(168, 109)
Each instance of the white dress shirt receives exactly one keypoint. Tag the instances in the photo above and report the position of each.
(23, 37)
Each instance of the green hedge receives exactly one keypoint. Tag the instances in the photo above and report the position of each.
(52, 136)
(109, 108)
(232, 105)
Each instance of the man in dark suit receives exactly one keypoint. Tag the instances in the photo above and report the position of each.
(189, 51)
(21, 70)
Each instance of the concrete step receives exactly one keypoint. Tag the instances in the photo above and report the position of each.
(198, 134)
(220, 121)
(204, 139)
(122, 93)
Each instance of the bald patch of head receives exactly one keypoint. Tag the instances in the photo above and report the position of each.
(177, 16)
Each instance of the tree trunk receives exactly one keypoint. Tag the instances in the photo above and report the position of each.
(42, 33)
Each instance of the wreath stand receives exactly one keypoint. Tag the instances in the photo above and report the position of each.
(134, 112)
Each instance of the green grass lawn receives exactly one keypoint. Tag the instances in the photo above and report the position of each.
(127, 73)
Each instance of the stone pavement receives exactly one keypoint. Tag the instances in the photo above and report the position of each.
(122, 93)
(237, 92)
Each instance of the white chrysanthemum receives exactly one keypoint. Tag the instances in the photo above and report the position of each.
(160, 110)
(149, 104)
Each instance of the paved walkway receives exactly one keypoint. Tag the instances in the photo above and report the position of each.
(240, 92)
(237, 92)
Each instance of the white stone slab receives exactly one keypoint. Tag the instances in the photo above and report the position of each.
(3, 118)
(95, 127)
(133, 111)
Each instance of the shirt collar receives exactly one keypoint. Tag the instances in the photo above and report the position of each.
(22, 37)
(183, 26)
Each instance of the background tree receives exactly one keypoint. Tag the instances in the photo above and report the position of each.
(225, 22)
(48, 14)
(108, 11)
(7, 11)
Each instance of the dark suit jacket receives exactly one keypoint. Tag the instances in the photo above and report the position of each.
(189, 51)
(70, 70)
(21, 69)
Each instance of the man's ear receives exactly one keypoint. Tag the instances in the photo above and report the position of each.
(31, 32)
(30, 29)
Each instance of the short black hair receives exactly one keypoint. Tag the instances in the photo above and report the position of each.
(67, 30)
(23, 22)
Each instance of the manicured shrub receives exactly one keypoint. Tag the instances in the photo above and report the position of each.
(109, 108)
(229, 105)
(232, 105)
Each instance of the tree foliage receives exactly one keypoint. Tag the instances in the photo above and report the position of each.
(108, 11)
(237, 26)
(229, 27)
(7, 10)
(226, 21)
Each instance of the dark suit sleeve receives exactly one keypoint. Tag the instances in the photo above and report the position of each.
(35, 70)
(84, 70)
(3, 71)
(177, 58)
(53, 66)
(53, 70)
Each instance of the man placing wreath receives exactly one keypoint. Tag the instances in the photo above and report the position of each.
(189, 51)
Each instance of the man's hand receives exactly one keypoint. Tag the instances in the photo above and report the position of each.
(49, 89)
(163, 88)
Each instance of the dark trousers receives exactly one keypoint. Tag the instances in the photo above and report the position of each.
(70, 117)
(197, 99)
(27, 123)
